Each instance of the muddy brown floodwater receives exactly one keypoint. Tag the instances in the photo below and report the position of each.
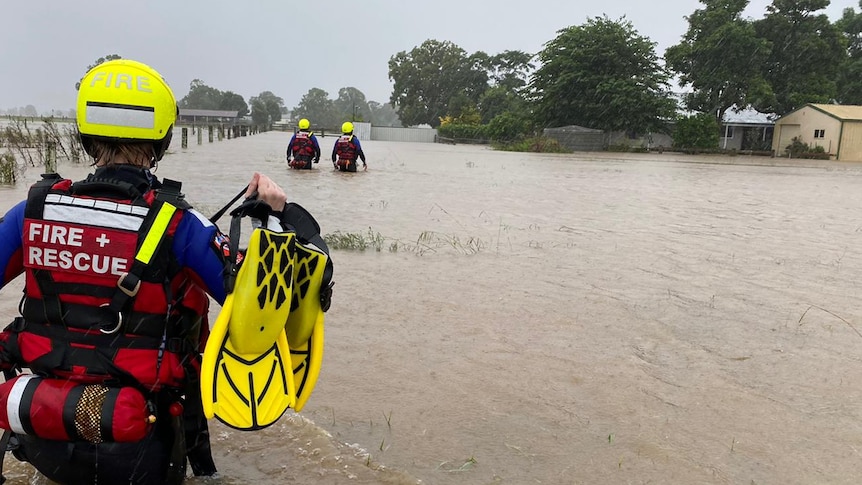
(562, 319)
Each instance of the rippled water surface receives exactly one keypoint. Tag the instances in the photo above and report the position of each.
(590, 318)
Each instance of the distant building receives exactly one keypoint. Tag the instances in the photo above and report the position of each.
(577, 138)
(207, 116)
(837, 128)
(746, 129)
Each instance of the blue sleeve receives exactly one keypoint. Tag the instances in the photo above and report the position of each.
(290, 145)
(316, 146)
(359, 151)
(197, 248)
(11, 258)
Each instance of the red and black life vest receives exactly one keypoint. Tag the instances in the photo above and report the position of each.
(105, 300)
(303, 145)
(345, 148)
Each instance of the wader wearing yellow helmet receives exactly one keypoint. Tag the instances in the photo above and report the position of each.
(347, 150)
(124, 101)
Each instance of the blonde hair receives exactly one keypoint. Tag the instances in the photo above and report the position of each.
(106, 154)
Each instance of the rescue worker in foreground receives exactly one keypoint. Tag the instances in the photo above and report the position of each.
(347, 150)
(304, 147)
(117, 271)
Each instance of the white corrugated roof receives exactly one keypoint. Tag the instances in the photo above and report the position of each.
(208, 112)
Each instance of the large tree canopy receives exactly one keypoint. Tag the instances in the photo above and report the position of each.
(429, 76)
(806, 56)
(602, 75)
(510, 69)
(850, 78)
(316, 106)
(231, 101)
(383, 114)
(351, 105)
(720, 58)
(266, 108)
(201, 96)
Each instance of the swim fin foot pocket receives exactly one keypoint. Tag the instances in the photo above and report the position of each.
(265, 348)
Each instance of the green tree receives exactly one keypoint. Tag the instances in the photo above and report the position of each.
(259, 112)
(720, 57)
(316, 106)
(266, 108)
(698, 131)
(231, 101)
(201, 96)
(429, 76)
(510, 70)
(602, 75)
(507, 127)
(498, 100)
(807, 53)
(383, 114)
(850, 77)
(351, 105)
(109, 57)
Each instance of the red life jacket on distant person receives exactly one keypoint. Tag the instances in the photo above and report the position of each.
(303, 145)
(105, 300)
(345, 148)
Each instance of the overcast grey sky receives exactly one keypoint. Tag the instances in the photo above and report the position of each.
(289, 47)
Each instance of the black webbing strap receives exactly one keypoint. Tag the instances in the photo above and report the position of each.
(7, 435)
(158, 220)
(34, 210)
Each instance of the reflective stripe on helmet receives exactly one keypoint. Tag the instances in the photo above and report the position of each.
(121, 115)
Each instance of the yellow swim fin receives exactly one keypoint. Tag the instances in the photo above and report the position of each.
(305, 324)
(247, 371)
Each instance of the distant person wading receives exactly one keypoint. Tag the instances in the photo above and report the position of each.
(303, 147)
(347, 150)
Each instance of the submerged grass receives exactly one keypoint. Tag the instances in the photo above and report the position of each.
(427, 242)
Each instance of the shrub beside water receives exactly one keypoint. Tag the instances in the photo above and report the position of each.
(42, 146)
(8, 169)
(537, 144)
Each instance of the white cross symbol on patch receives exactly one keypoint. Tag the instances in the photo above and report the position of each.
(102, 240)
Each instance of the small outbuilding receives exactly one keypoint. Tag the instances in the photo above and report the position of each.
(205, 116)
(746, 129)
(577, 138)
(837, 128)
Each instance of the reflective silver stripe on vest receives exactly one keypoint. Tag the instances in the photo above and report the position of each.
(64, 208)
(130, 117)
(13, 403)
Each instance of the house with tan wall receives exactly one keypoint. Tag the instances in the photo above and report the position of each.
(837, 128)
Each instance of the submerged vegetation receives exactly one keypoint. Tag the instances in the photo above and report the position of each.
(426, 242)
(538, 144)
(42, 146)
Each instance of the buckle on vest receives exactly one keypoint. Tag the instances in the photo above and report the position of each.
(119, 320)
(129, 284)
(326, 297)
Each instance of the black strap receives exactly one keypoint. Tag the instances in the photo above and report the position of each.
(176, 472)
(34, 210)
(4, 440)
(171, 192)
(95, 184)
(232, 267)
(215, 217)
(150, 243)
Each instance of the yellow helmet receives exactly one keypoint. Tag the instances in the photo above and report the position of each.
(126, 101)
(347, 127)
(304, 124)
